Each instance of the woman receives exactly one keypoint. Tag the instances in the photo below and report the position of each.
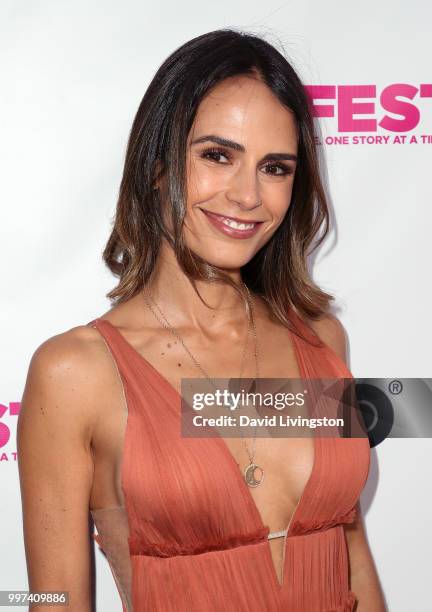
(219, 202)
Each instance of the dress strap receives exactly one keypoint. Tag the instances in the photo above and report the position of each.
(112, 338)
(306, 333)
(134, 369)
(114, 346)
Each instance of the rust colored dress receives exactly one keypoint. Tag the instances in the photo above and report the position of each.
(190, 537)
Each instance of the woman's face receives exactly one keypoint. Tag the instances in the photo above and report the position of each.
(241, 161)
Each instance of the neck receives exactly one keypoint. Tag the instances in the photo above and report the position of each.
(173, 292)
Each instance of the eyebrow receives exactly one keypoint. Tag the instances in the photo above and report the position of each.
(230, 144)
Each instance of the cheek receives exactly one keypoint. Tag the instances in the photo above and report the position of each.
(279, 200)
(203, 182)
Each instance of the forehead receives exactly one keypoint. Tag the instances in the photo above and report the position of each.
(245, 109)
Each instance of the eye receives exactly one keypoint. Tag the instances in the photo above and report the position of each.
(214, 154)
(282, 168)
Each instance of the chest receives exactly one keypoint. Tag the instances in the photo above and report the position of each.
(287, 463)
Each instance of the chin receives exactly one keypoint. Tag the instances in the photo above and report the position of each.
(226, 261)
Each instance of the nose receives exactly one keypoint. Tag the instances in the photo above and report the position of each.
(244, 188)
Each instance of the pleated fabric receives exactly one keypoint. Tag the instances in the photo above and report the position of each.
(190, 536)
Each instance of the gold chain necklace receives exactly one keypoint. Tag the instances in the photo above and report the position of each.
(249, 471)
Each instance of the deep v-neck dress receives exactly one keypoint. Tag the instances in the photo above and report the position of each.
(190, 537)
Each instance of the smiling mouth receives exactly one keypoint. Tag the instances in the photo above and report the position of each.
(233, 222)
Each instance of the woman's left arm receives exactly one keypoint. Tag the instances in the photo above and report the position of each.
(363, 575)
(364, 581)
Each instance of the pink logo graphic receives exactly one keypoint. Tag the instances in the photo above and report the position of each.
(11, 410)
(360, 108)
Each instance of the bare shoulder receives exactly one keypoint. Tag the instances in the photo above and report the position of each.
(331, 331)
(71, 353)
(67, 377)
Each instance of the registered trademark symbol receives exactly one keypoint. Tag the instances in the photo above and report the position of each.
(395, 387)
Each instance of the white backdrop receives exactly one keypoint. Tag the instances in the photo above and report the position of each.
(73, 75)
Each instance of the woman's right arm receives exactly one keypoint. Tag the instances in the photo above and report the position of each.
(55, 466)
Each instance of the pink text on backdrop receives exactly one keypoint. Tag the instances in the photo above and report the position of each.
(13, 408)
(398, 98)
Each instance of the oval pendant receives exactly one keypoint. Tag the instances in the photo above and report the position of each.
(249, 475)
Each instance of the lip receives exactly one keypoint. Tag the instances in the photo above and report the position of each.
(233, 218)
(217, 222)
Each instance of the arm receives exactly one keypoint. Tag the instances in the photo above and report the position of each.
(363, 576)
(56, 469)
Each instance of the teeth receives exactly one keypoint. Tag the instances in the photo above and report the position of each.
(236, 225)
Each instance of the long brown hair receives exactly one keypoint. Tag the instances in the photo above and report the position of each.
(278, 272)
